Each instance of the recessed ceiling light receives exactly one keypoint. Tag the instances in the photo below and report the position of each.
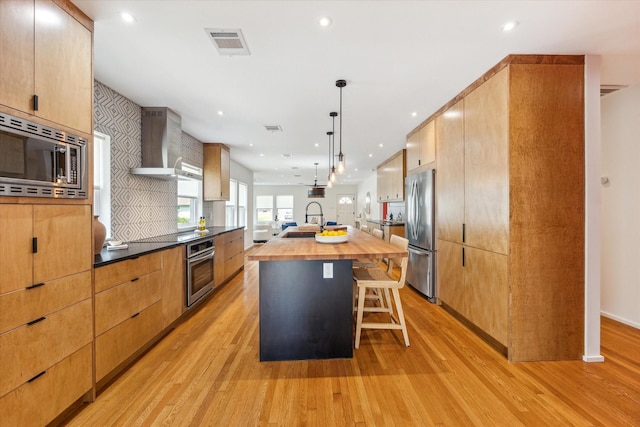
(250, 144)
(221, 113)
(317, 144)
(325, 21)
(381, 145)
(509, 26)
(355, 170)
(370, 155)
(415, 113)
(261, 154)
(127, 17)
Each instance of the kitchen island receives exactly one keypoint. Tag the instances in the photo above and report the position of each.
(306, 294)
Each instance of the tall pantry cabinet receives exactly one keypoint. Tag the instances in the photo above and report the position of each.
(510, 206)
(46, 244)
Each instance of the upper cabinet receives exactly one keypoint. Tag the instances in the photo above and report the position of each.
(47, 63)
(216, 172)
(390, 178)
(421, 147)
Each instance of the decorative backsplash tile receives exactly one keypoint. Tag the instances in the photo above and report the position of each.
(140, 206)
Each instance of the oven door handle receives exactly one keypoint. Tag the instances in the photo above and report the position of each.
(201, 257)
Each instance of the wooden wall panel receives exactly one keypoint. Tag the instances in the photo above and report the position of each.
(451, 288)
(449, 130)
(486, 131)
(547, 211)
(487, 291)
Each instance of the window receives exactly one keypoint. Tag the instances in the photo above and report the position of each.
(102, 179)
(231, 219)
(242, 204)
(189, 203)
(264, 209)
(284, 208)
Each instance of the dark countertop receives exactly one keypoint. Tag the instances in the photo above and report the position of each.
(153, 244)
(385, 222)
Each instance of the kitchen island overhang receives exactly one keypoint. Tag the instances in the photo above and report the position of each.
(306, 294)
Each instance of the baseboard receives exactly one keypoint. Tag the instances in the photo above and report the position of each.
(620, 319)
(592, 359)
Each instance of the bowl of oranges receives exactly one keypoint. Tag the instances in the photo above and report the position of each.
(332, 236)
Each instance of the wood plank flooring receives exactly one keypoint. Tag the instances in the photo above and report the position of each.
(206, 372)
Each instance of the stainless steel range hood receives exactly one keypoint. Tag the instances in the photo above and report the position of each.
(162, 146)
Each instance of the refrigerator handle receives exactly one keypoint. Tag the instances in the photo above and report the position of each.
(418, 251)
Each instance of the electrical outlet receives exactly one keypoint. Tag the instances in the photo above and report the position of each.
(327, 270)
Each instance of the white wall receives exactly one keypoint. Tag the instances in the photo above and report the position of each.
(300, 199)
(242, 174)
(620, 289)
(370, 185)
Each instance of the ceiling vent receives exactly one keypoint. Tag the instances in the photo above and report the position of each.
(228, 42)
(286, 155)
(273, 128)
(607, 89)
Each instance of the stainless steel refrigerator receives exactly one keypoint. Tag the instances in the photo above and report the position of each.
(420, 230)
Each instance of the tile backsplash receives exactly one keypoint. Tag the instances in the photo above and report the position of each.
(140, 206)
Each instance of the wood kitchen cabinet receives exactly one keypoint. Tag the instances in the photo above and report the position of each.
(46, 318)
(128, 310)
(229, 255)
(510, 206)
(421, 147)
(390, 178)
(216, 172)
(173, 284)
(52, 62)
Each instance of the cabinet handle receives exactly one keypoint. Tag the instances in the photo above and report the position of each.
(135, 315)
(37, 285)
(33, 322)
(135, 279)
(35, 102)
(37, 376)
(34, 245)
(463, 257)
(464, 232)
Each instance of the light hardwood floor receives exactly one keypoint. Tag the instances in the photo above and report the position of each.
(207, 372)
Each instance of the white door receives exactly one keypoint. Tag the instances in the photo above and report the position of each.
(346, 212)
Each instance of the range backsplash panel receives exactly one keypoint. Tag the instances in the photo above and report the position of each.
(140, 206)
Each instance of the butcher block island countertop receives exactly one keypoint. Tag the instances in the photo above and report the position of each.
(306, 293)
(359, 245)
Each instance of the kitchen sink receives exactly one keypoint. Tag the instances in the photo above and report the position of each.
(297, 234)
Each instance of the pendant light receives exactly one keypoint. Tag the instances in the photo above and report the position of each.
(332, 176)
(341, 166)
(329, 183)
(316, 192)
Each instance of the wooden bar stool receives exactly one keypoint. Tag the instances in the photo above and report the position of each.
(375, 294)
(366, 278)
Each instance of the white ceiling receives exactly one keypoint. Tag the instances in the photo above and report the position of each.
(397, 57)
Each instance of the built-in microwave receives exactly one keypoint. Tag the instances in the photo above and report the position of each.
(39, 161)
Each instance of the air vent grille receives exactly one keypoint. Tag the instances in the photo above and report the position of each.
(228, 42)
(273, 128)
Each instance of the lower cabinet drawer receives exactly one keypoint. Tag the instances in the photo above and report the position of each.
(30, 349)
(118, 343)
(25, 305)
(119, 303)
(38, 402)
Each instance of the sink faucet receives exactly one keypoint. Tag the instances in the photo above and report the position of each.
(306, 214)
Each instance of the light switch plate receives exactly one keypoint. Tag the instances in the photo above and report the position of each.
(327, 270)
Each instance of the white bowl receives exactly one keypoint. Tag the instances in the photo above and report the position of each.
(332, 239)
(114, 242)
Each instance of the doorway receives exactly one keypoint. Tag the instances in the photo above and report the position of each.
(346, 211)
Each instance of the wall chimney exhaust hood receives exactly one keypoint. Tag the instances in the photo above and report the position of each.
(162, 147)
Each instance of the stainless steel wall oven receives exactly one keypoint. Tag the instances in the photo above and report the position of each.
(199, 258)
(39, 161)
